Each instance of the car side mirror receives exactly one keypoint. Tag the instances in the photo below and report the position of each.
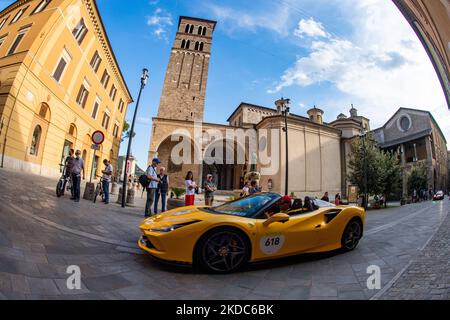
(279, 217)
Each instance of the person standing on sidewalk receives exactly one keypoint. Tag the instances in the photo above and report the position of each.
(189, 198)
(152, 176)
(107, 174)
(210, 188)
(163, 189)
(77, 169)
(68, 170)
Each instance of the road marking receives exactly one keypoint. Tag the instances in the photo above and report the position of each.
(394, 223)
(119, 243)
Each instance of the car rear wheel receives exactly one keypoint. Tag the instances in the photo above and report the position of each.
(352, 235)
(222, 251)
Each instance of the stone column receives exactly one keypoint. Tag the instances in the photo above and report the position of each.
(429, 162)
(404, 176)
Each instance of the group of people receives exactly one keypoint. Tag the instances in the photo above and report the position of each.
(74, 169)
(250, 188)
(422, 195)
(337, 198)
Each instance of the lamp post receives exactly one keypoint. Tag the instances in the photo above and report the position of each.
(283, 106)
(362, 136)
(144, 79)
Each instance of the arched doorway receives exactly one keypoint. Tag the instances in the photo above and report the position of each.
(38, 133)
(222, 159)
(178, 157)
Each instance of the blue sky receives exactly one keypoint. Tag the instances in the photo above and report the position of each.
(327, 53)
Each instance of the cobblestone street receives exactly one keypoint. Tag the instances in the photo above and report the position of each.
(41, 235)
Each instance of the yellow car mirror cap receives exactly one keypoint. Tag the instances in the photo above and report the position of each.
(279, 217)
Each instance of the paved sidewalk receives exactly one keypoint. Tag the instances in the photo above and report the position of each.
(428, 275)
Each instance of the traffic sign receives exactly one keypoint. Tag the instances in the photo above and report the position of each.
(95, 147)
(98, 137)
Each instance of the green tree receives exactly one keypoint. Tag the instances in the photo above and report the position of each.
(391, 174)
(417, 178)
(365, 150)
(126, 131)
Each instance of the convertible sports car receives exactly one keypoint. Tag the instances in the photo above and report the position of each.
(222, 239)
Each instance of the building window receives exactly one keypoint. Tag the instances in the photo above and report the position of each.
(17, 41)
(121, 105)
(201, 46)
(80, 31)
(191, 29)
(196, 46)
(83, 95)
(188, 44)
(96, 61)
(62, 65)
(2, 40)
(199, 32)
(105, 79)
(72, 130)
(95, 108)
(113, 92)
(105, 122)
(41, 6)
(18, 15)
(34, 148)
(116, 130)
(186, 30)
(183, 44)
(2, 23)
(204, 31)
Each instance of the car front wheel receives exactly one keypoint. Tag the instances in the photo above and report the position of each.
(223, 251)
(352, 235)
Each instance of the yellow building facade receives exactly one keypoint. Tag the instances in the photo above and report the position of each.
(59, 83)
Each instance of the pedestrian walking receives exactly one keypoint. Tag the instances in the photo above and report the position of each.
(245, 190)
(189, 198)
(107, 174)
(152, 176)
(77, 171)
(210, 188)
(68, 170)
(162, 190)
(337, 199)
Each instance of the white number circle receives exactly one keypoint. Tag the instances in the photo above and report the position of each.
(271, 244)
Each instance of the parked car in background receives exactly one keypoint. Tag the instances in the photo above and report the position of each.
(438, 196)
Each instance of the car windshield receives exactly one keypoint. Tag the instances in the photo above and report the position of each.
(246, 207)
(322, 204)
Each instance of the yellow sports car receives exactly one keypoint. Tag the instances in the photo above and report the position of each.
(260, 227)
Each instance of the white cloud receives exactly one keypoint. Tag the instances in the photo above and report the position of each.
(310, 28)
(159, 22)
(381, 67)
(231, 19)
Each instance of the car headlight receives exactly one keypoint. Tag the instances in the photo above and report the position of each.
(174, 227)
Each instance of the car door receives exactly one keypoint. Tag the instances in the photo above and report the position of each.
(299, 234)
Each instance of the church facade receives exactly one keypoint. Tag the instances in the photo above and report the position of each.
(253, 139)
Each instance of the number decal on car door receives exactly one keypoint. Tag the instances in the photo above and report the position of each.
(271, 244)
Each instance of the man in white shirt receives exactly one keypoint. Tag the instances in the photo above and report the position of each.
(152, 175)
(107, 174)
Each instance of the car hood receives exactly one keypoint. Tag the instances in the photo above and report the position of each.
(174, 217)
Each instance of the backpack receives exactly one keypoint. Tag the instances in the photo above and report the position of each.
(144, 181)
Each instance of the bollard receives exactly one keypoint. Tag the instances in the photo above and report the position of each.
(119, 198)
(89, 191)
(130, 197)
(113, 187)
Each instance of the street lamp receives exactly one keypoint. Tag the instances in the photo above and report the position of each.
(144, 79)
(362, 136)
(283, 106)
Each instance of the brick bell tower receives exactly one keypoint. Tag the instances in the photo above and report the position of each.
(183, 95)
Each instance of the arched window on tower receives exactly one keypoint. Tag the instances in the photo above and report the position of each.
(191, 29)
(183, 44)
(200, 28)
(201, 46)
(196, 45)
(186, 30)
(188, 44)
(204, 31)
